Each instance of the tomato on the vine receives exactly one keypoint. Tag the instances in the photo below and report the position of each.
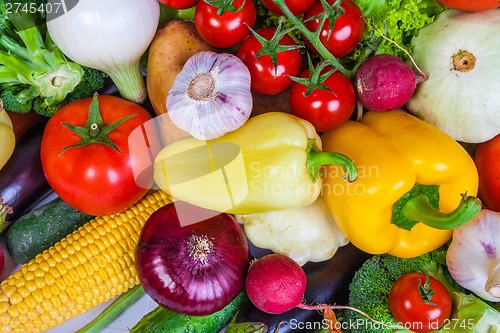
(223, 24)
(470, 5)
(347, 30)
(297, 7)
(420, 302)
(89, 158)
(488, 168)
(325, 109)
(179, 4)
(266, 78)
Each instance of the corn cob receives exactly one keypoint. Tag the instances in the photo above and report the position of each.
(90, 266)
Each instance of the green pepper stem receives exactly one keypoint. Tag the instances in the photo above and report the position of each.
(419, 208)
(113, 310)
(316, 159)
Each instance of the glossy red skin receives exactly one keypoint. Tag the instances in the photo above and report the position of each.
(470, 5)
(488, 167)
(178, 282)
(264, 79)
(297, 7)
(324, 109)
(226, 30)
(95, 179)
(407, 307)
(275, 283)
(180, 4)
(347, 31)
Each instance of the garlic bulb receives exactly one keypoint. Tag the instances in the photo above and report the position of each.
(211, 95)
(473, 257)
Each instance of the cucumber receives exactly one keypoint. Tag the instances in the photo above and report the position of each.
(162, 320)
(41, 228)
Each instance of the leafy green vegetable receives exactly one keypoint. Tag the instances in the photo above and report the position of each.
(34, 73)
(371, 284)
(400, 19)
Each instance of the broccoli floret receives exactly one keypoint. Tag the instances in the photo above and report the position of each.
(11, 96)
(369, 291)
(32, 68)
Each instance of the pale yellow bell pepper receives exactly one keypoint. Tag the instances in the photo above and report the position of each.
(7, 137)
(270, 163)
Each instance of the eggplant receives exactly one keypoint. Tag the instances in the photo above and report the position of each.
(22, 181)
(327, 282)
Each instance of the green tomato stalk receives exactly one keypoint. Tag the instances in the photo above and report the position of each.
(330, 13)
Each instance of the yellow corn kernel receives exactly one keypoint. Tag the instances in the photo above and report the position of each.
(88, 267)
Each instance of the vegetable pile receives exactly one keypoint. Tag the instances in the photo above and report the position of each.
(310, 166)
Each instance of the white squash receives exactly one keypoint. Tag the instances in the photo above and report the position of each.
(460, 52)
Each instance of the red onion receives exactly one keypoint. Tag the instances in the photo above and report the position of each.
(194, 269)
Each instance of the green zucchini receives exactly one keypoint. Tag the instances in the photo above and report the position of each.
(41, 228)
(162, 320)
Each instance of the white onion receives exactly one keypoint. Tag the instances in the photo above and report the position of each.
(110, 36)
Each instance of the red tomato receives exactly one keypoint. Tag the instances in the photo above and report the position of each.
(488, 168)
(347, 30)
(179, 4)
(265, 78)
(226, 30)
(408, 307)
(95, 178)
(470, 5)
(297, 7)
(324, 109)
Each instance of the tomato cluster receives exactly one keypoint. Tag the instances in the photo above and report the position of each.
(274, 58)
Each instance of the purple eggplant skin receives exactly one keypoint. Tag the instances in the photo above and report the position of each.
(327, 283)
(22, 181)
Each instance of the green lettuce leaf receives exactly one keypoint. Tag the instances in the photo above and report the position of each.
(401, 19)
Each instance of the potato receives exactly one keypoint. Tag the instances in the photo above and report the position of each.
(171, 47)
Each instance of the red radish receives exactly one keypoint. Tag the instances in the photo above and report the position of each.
(275, 283)
(384, 82)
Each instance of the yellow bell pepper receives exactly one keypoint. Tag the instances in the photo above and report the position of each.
(415, 183)
(270, 163)
(7, 138)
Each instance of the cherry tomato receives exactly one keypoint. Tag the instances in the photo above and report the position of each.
(347, 30)
(228, 29)
(488, 168)
(407, 305)
(324, 109)
(179, 4)
(266, 79)
(470, 5)
(96, 178)
(297, 7)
